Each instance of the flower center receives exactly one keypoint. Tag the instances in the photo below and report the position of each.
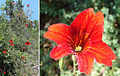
(78, 48)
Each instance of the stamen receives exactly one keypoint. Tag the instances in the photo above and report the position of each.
(79, 48)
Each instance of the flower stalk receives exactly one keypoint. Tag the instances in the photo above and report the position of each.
(74, 65)
(61, 62)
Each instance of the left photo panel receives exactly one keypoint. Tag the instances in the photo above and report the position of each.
(19, 30)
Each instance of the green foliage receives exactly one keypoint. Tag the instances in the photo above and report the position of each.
(12, 26)
(64, 11)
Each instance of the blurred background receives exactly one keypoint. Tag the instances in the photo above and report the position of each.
(64, 11)
(19, 22)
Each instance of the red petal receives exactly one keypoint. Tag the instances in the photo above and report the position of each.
(10, 40)
(4, 51)
(60, 51)
(85, 62)
(12, 44)
(28, 5)
(26, 24)
(59, 33)
(4, 72)
(98, 28)
(102, 53)
(82, 19)
(80, 24)
(88, 26)
(95, 28)
(27, 43)
(60, 27)
(23, 57)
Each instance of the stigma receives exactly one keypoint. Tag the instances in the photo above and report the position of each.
(78, 48)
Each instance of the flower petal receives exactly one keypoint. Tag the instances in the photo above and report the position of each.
(85, 62)
(60, 27)
(80, 24)
(98, 29)
(59, 33)
(60, 51)
(101, 52)
(82, 19)
(94, 30)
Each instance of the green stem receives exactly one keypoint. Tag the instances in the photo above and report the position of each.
(74, 65)
(61, 61)
(64, 71)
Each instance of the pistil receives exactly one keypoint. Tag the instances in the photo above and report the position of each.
(78, 48)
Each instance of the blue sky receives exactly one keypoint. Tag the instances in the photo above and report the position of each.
(33, 5)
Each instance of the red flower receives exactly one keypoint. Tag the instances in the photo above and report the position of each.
(0, 69)
(27, 43)
(83, 38)
(26, 24)
(23, 58)
(12, 44)
(4, 51)
(28, 5)
(10, 40)
(4, 72)
(31, 22)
